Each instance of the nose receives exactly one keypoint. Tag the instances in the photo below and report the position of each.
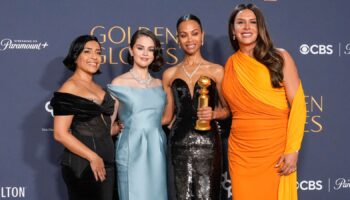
(94, 55)
(189, 38)
(246, 26)
(145, 52)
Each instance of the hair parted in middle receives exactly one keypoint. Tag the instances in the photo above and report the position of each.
(188, 17)
(264, 50)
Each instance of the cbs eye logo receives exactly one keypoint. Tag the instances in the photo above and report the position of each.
(48, 108)
(316, 49)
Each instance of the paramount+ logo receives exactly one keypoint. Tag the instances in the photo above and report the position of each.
(316, 49)
(313, 185)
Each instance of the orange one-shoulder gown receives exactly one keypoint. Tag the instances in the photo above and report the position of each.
(263, 129)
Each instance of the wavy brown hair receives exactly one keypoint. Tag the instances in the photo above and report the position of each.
(264, 51)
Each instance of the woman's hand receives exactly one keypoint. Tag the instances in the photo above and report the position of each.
(116, 128)
(205, 113)
(98, 168)
(287, 164)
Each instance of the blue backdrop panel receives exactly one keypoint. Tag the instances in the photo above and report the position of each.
(35, 36)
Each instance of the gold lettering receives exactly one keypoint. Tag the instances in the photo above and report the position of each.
(123, 34)
(129, 34)
(306, 123)
(103, 56)
(171, 55)
(318, 124)
(156, 33)
(318, 104)
(103, 36)
(167, 34)
(143, 27)
(122, 52)
(111, 56)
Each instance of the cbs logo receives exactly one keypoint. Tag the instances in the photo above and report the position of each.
(316, 49)
(310, 185)
(48, 108)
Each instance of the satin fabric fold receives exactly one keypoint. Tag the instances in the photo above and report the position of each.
(263, 129)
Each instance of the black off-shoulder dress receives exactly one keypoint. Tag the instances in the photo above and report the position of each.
(91, 126)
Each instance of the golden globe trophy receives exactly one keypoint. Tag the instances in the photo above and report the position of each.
(203, 100)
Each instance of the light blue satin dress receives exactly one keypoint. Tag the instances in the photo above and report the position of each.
(141, 146)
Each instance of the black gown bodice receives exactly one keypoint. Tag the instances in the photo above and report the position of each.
(195, 156)
(186, 110)
(91, 125)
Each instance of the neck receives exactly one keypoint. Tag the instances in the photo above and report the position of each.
(142, 73)
(247, 49)
(192, 60)
(82, 76)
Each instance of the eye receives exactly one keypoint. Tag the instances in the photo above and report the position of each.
(139, 48)
(86, 51)
(151, 49)
(182, 35)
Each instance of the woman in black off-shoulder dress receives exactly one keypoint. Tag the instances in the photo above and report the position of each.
(82, 123)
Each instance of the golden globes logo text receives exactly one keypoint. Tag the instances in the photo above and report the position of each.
(115, 41)
(314, 105)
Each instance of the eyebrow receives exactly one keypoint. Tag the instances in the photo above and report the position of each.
(89, 48)
(246, 19)
(143, 45)
(196, 29)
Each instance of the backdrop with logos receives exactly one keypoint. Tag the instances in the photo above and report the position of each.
(35, 36)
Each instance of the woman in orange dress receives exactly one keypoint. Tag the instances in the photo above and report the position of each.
(265, 95)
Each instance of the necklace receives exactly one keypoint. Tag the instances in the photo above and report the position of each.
(141, 81)
(189, 76)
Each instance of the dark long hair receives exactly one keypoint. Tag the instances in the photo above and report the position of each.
(264, 50)
(76, 47)
(158, 59)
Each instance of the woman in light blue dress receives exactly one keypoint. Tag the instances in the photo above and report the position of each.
(141, 145)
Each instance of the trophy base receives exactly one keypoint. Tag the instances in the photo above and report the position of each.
(202, 126)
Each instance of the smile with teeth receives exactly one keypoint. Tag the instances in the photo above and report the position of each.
(247, 34)
(191, 46)
(92, 63)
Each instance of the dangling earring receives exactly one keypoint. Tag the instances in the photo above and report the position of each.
(202, 43)
(233, 37)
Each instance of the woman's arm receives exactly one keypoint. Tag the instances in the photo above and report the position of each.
(291, 81)
(169, 106)
(116, 127)
(64, 136)
(221, 111)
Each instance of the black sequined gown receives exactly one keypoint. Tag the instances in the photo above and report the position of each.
(195, 155)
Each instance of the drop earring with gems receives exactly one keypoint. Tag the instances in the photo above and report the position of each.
(233, 37)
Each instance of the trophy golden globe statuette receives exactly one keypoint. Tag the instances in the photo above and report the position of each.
(203, 100)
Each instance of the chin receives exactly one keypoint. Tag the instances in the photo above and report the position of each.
(191, 52)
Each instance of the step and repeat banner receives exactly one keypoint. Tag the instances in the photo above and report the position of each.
(35, 36)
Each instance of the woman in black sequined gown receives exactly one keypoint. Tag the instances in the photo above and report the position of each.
(195, 156)
(82, 123)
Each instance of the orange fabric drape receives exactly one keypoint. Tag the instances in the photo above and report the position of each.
(263, 128)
